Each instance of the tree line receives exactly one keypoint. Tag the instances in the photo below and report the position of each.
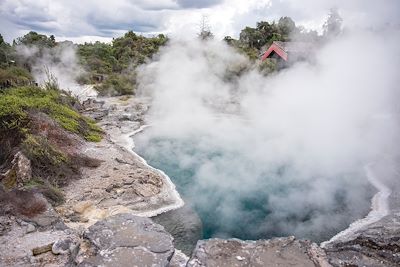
(112, 66)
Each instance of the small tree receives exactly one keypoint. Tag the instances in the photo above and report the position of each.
(228, 39)
(286, 26)
(5, 50)
(205, 29)
(52, 41)
(51, 82)
(333, 25)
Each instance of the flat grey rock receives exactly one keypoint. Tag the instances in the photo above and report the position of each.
(63, 246)
(273, 252)
(128, 240)
(30, 228)
(377, 245)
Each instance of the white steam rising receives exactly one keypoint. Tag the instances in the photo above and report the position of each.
(61, 61)
(309, 129)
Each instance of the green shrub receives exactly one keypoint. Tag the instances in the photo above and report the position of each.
(117, 84)
(51, 166)
(51, 192)
(116, 62)
(15, 76)
(41, 152)
(251, 52)
(268, 66)
(16, 103)
(47, 161)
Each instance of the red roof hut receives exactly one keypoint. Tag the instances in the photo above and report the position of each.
(289, 51)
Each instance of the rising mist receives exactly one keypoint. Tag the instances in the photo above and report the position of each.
(298, 139)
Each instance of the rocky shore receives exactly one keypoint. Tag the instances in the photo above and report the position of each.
(104, 219)
(123, 183)
(374, 241)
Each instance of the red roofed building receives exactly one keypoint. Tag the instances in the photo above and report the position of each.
(289, 52)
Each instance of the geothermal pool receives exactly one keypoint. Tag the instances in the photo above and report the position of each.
(236, 196)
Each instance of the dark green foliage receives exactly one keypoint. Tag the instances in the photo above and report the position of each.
(97, 58)
(229, 40)
(51, 165)
(251, 52)
(268, 66)
(7, 54)
(48, 162)
(286, 27)
(251, 37)
(113, 65)
(254, 41)
(118, 84)
(135, 49)
(39, 40)
(14, 76)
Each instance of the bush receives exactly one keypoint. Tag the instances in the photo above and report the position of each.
(116, 62)
(121, 84)
(14, 76)
(26, 203)
(16, 103)
(250, 52)
(20, 202)
(268, 66)
(52, 167)
(50, 192)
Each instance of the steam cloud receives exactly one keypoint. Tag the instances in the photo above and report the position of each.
(61, 61)
(302, 135)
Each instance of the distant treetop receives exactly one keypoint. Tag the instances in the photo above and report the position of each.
(33, 38)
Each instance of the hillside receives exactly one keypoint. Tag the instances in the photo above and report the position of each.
(41, 128)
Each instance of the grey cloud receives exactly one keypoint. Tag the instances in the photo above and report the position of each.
(357, 12)
(108, 27)
(110, 18)
(38, 26)
(156, 5)
(198, 4)
(68, 18)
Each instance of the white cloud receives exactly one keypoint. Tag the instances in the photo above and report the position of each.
(85, 39)
(76, 19)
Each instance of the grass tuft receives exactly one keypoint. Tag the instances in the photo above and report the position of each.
(16, 103)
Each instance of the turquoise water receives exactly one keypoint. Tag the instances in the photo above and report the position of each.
(234, 197)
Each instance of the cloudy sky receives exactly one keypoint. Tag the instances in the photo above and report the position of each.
(88, 20)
